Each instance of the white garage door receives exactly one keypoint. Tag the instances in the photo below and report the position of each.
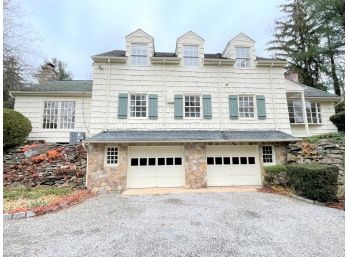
(233, 165)
(155, 166)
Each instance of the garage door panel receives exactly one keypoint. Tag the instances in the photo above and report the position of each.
(233, 165)
(163, 167)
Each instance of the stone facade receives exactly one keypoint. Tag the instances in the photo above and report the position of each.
(195, 165)
(101, 177)
(323, 152)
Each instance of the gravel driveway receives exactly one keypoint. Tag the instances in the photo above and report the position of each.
(211, 224)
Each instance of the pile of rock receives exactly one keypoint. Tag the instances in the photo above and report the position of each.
(324, 152)
(46, 164)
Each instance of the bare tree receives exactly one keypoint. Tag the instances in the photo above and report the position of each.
(18, 50)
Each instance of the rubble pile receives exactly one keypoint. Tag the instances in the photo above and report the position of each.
(45, 164)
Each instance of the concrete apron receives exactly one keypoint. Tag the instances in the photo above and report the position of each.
(164, 191)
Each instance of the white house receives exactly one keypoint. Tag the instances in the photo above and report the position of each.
(179, 119)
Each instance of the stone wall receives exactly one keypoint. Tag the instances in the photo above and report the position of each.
(100, 177)
(195, 165)
(323, 152)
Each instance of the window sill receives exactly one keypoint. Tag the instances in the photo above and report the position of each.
(302, 124)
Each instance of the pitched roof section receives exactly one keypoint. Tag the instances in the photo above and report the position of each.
(191, 136)
(314, 92)
(122, 53)
(62, 86)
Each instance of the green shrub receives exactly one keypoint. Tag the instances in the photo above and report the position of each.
(339, 107)
(338, 120)
(314, 181)
(275, 168)
(16, 128)
(335, 137)
(276, 175)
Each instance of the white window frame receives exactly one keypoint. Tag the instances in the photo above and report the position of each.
(191, 56)
(240, 57)
(200, 106)
(59, 116)
(309, 114)
(137, 54)
(254, 106)
(129, 105)
(107, 147)
(273, 155)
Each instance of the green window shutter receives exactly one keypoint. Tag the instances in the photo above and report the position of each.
(122, 105)
(178, 107)
(233, 105)
(153, 107)
(207, 112)
(261, 107)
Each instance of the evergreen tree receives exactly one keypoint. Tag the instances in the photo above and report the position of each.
(12, 80)
(296, 39)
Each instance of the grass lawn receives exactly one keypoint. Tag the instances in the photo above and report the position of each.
(16, 198)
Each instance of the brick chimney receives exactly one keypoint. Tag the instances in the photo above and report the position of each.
(47, 73)
(292, 75)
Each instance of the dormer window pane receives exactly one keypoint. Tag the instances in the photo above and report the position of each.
(243, 57)
(139, 54)
(191, 55)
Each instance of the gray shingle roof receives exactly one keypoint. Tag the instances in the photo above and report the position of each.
(314, 92)
(113, 53)
(190, 135)
(62, 86)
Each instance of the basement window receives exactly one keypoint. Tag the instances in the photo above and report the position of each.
(111, 155)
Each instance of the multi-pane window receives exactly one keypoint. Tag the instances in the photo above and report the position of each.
(139, 54)
(111, 155)
(67, 115)
(192, 106)
(243, 57)
(295, 111)
(296, 114)
(58, 115)
(267, 154)
(50, 115)
(313, 112)
(246, 106)
(138, 106)
(191, 55)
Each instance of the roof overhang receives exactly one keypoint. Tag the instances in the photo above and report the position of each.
(165, 60)
(270, 64)
(107, 59)
(218, 62)
(192, 141)
(50, 93)
(325, 99)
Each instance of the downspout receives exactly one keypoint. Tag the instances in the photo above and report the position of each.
(304, 113)
(219, 94)
(164, 95)
(107, 98)
(272, 93)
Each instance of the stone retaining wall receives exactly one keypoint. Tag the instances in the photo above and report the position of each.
(323, 152)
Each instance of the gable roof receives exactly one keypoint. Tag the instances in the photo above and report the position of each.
(141, 32)
(241, 34)
(191, 136)
(190, 32)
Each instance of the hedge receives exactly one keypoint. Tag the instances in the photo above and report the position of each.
(16, 128)
(338, 120)
(339, 107)
(275, 168)
(314, 181)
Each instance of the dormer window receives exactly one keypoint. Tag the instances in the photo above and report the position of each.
(242, 57)
(190, 55)
(139, 54)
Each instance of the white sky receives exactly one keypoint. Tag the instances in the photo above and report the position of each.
(74, 30)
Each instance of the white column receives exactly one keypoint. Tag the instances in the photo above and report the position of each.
(304, 113)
